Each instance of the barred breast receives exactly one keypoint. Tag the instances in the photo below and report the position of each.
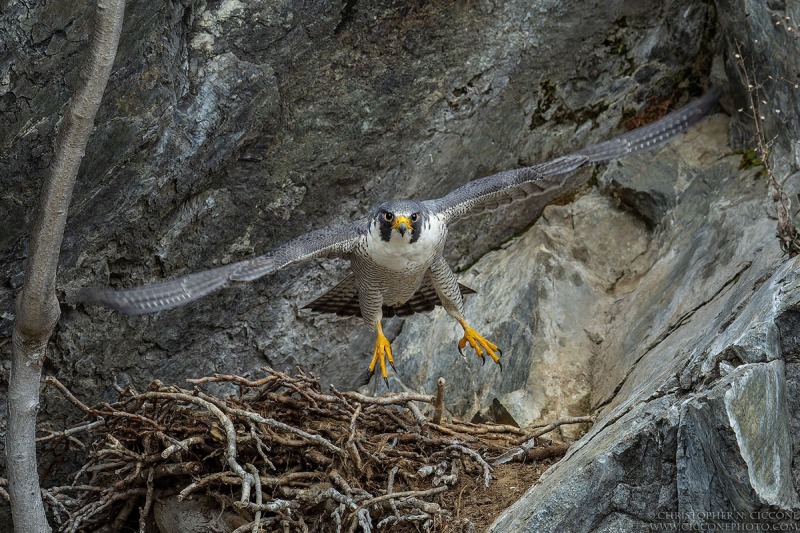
(390, 273)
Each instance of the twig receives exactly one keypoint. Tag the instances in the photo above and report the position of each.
(787, 233)
(399, 398)
(218, 378)
(398, 519)
(217, 477)
(52, 380)
(417, 414)
(306, 434)
(485, 428)
(350, 445)
(525, 446)
(553, 450)
(259, 501)
(86, 426)
(487, 470)
(183, 445)
(404, 494)
(325, 443)
(122, 517)
(438, 405)
(390, 489)
(148, 501)
(547, 428)
(261, 448)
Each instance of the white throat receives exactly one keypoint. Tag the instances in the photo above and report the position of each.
(402, 255)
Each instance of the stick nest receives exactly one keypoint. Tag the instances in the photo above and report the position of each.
(284, 456)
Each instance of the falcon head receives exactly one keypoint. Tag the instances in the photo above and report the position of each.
(402, 218)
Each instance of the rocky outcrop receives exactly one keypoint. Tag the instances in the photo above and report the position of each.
(655, 296)
(231, 127)
(684, 358)
(695, 376)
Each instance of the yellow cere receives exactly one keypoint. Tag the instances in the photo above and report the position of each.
(402, 220)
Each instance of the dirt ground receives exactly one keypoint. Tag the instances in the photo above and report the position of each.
(482, 505)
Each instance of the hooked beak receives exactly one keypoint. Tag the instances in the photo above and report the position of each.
(402, 224)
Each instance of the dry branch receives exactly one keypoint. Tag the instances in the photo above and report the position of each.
(37, 308)
(282, 454)
(786, 232)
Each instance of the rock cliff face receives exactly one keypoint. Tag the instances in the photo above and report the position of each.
(655, 297)
(230, 127)
(684, 355)
(693, 375)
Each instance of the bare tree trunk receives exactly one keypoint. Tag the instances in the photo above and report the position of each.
(37, 306)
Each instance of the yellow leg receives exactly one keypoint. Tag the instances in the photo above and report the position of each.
(478, 343)
(382, 352)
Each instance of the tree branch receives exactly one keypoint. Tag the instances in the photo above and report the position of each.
(37, 307)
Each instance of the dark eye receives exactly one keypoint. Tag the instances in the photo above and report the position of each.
(388, 216)
(414, 217)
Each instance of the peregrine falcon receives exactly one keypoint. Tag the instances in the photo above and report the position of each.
(396, 252)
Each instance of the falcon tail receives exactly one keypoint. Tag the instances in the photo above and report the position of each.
(342, 300)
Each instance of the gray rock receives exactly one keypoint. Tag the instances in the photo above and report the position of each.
(691, 363)
(754, 447)
(700, 360)
(226, 127)
(591, 490)
(765, 35)
(655, 297)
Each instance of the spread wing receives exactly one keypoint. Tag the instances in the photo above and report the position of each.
(538, 180)
(337, 240)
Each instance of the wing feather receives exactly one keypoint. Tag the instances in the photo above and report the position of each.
(337, 240)
(549, 177)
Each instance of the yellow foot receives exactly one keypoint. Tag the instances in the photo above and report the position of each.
(382, 352)
(478, 343)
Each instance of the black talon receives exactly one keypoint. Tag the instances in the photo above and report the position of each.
(461, 351)
(483, 360)
(386, 380)
(391, 364)
(500, 365)
(499, 352)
